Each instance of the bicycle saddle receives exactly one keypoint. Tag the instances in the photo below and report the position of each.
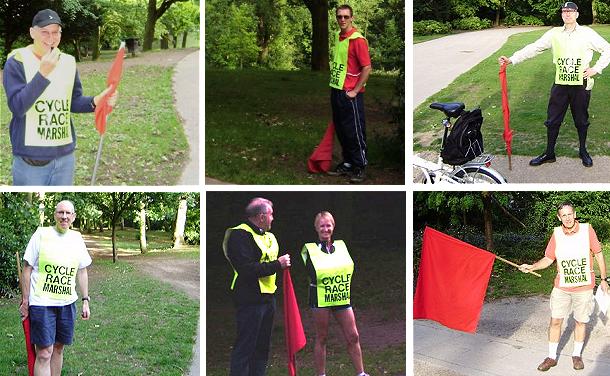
(451, 110)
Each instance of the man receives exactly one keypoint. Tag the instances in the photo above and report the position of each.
(54, 259)
(573, 245)
(43, 87)
(252, 251)
(573, 47)
(349, 70)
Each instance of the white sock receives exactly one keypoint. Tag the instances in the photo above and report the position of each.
(362, 373)
(553, 350)
(577, 348)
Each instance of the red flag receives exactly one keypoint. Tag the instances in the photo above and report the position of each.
(508, 133)
(453, 277)
(102, 110)
(322, 157)
(295, 335)
(29, 346)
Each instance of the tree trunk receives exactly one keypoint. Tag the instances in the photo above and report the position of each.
(497, 22)
(113, 243)
(319, 42)
(180, 223)
(143, 247)
(489, 245)
(184, 36)
(165, 41)
(96, 44)
(149, 27)
(594, 11)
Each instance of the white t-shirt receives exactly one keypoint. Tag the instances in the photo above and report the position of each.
(72, 247)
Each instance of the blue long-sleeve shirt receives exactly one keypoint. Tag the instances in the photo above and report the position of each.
(21, 95)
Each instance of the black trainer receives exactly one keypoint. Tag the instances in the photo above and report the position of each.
(340, 170)
(586, 158)
(543, 158)
(357, 175)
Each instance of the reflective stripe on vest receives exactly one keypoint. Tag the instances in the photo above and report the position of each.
(56, 268)
(269, 249)
(47, 122)
(568, 55)
(333, 273)
(573, 257)
(338, 65)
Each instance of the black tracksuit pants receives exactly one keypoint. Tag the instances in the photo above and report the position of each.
(348, 116)
(562, 96)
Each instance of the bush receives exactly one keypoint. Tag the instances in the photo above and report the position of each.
(429, 27)
(602, 228)
(471, 23)
(603, 12)
(531, 21)
(514, 19)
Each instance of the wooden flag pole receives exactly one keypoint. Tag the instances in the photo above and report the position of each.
(19, 271)
(516, 266)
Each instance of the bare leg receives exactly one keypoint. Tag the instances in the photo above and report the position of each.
(347, 320)
(57, 359)
(321, 316)
(42, 366)
(579, 331)
(555, 330)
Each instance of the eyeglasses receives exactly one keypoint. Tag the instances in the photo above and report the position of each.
(568, 11)
(342, 17)
(54, 34)
(63, 213)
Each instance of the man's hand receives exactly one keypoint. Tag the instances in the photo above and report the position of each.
(351, 94)
(284, 261)
(86, 313)
(526, 268)
(503, 60)
(24, 309)
(48, 62)
(604, 285)
(111, 100)
(589, 72)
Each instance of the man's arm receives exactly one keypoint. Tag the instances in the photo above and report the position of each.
(543, 263)
(20, 94)
(245, 256)
(601, 263)
(364, 76)
(529, 51)
(25, 290)
(83, 284)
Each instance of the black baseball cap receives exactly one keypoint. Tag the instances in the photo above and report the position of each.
(569, 5)
(46, 17)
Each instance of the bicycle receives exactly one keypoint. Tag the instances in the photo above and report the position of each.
(475, 171)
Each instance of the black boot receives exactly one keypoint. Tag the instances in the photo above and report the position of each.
(549, 155)
(582, 150)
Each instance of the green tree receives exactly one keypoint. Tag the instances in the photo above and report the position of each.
(181, 19)
(155, 10)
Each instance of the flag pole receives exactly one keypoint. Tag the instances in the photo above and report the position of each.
(515, 265)
(97, 159)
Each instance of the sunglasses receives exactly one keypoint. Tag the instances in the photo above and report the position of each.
(341, 17)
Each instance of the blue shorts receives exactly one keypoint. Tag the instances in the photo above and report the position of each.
(50, 325)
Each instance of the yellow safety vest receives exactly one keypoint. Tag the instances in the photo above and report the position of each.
(573, 257)
(333, 273)
(269, 248)
(568, 55)
(338, 64)
(47, 122)
(56, 268)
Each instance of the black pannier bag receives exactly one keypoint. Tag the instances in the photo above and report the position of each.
(465, 141)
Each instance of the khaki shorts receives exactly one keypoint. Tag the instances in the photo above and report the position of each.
(581, 303)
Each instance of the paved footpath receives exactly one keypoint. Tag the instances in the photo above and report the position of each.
(436, 63)
(186, 94)
(511, 340)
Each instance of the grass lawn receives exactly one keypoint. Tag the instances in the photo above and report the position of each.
(144, 143)
(261, 126)
(529, 86)
(138, 326)
(128, 239)
(425, 38)
(378, 292)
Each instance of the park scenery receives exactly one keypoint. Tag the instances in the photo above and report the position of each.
(143, 281)
(508, 312)
(372, 226)
(267, 95)
(146, 140)
(529, 83)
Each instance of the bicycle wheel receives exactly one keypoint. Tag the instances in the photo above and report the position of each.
(478, 175)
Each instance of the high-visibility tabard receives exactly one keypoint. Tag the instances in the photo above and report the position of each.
(56, 268)
(333, 273)
(47, 122)
(568, 55)
(269, 248)
(338, 64)
(573, 257)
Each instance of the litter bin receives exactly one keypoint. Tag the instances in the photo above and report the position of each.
(132, 44)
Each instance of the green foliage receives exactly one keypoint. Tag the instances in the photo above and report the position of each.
(602, 10)
(428, 27)
(513, 19)
(18, 221)
(471, 23)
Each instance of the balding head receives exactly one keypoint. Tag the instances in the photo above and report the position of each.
(260, 212)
